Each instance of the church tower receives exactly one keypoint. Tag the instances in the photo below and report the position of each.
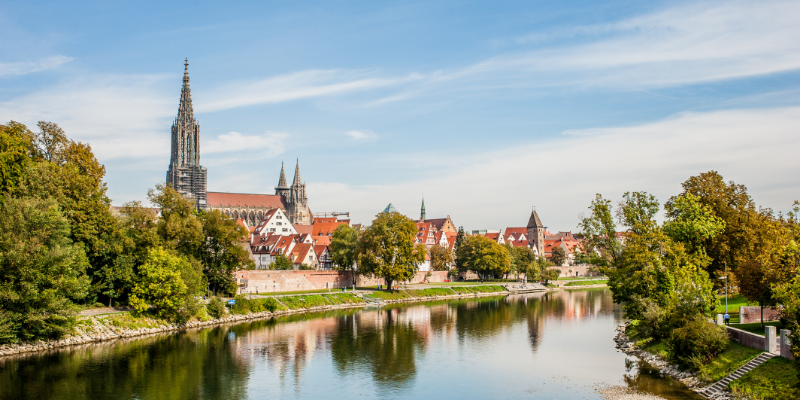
(422, 211)
(299, 213)
(283, 189)
(185, 174)
(536, 233)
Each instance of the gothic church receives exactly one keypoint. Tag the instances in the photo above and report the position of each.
(189, 178)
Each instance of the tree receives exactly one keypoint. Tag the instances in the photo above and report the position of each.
(160, 285)
(788, 293)
(558, 256)
(178, 227)
(441, 258)
(600, 233)
(387, 249)
(344, 242)
(484, 256)
(223, 250)
(732, 204)
(51, 142)
(551, 274)
(460, 236)
(522, 259)
(691, 223)
(282, 263)
(14, 155)
(637, 209)
(41, 270)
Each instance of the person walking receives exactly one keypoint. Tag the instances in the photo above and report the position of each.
(727, 318)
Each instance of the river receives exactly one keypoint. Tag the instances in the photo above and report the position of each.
(554, 345)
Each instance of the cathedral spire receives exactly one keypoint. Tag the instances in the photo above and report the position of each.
(297, 180)
(282, 180)
(422, 211)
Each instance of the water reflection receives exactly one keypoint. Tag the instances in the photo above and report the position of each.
(406, 350)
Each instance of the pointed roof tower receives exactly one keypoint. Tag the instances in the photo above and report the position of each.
(389, 208)
(282, 181)
(185, 111)
(534, 221)
(422, 210)
(297, 180)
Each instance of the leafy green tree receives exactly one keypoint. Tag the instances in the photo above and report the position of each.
(441, 258)
(460, 236)
(51, 142)
(691, 223)
(730, 202)
(637, 209)
(223, 250)
(600, 233)
(14, 155)
(484, 256)
(344, 241)
(282, 263)
(788, 293)
(558, 256)
(178, 227)
(387, 249)
(551, 274)
(160, 285)
(523, 261)
(41, 270)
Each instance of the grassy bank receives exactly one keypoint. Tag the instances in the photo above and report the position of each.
(775, 379)
(442, 291)
(756, 328)
(730, 359)
(588, 283)
(479, 289)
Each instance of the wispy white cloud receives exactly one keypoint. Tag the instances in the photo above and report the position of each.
(269, 143)
(295, 86)
(755, 147)
(121, 116)
(362, 136)
(22, 68)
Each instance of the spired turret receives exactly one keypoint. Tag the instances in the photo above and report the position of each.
(185, 174)
(283, 189)
(535, 230)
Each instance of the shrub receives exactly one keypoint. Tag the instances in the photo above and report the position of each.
(215, 307)
(697, 342)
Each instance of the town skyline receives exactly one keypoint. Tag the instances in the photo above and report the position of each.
(547, 109)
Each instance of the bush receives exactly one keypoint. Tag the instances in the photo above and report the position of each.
(216, 308)
(697, 343)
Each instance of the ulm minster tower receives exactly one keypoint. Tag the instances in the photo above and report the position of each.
(185, 174)
(188, 177)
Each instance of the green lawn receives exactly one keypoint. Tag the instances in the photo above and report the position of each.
(343, 298)
(734, 301)
(431, 292)
(309, 301)
(728, 361)
(587, 283)
(388, 294)
(774, 379)
(580, 278)
(756, 328)
(297, 292)
(479, 289)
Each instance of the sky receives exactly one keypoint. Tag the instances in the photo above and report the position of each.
(487, 109)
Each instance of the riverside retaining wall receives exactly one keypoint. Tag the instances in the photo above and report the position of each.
(748, 339)
(269, 281)
(750, 314)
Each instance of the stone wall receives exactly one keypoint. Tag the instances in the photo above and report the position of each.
(571, 270)
(785, 345)
(261, 281)
(748, 339)
(752, 314)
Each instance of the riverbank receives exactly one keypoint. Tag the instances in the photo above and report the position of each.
(107, 327)
(627, 346)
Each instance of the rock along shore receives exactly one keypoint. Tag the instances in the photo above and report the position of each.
(104, 329)
(689, 379)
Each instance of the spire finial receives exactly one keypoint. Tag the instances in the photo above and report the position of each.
(186, 64)
(282, 180)
(297, 180)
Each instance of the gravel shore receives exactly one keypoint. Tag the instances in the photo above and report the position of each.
(625, 393)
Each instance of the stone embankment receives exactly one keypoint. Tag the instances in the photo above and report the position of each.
(104, 328)
(628, 347)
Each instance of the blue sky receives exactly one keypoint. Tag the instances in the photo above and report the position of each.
(486, 108)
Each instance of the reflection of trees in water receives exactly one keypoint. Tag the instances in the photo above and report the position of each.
(644, 377)
(190, 365)
(384, 342)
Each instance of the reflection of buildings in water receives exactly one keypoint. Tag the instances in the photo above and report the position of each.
(287, 346)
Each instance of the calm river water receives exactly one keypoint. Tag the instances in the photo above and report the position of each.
(554, 346)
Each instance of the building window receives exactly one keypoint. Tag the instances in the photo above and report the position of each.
(284, 229)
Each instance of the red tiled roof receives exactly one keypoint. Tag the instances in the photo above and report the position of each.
(220, 199)
(520, 243)
(325, 219)
(300, 251)
(322, 240)
(319, 249)
(493, 236)
(325, 228)
(300, 228)
(516, 232)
